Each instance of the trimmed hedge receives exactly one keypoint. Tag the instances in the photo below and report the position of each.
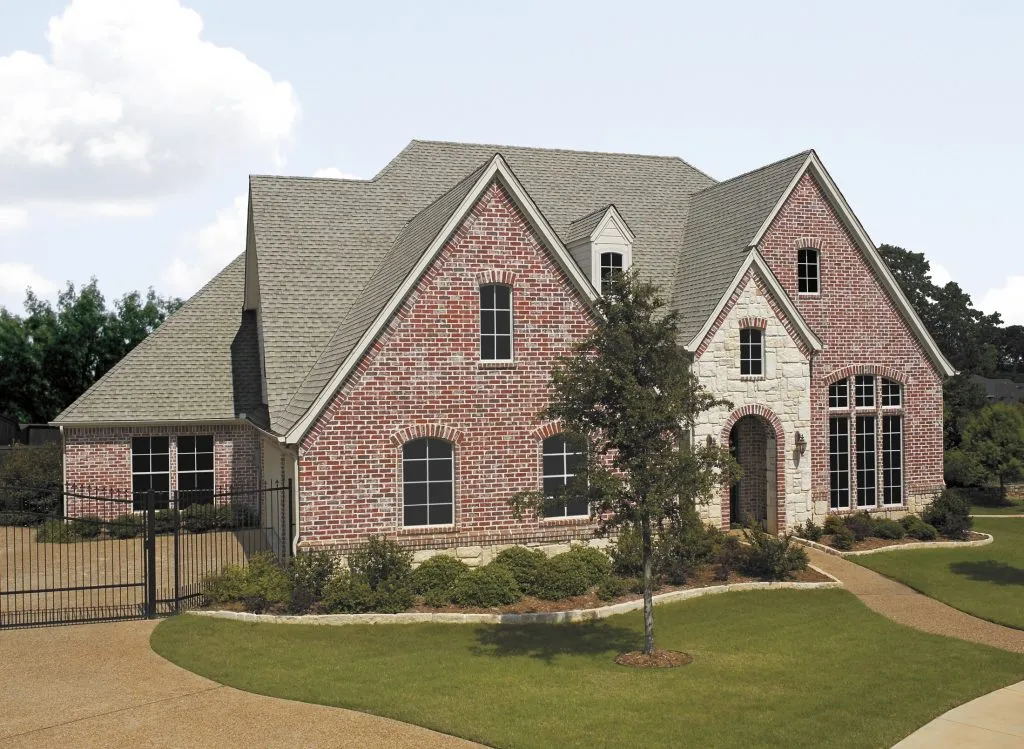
(261, 586)
(524, 564)
(917, 528)
(773, 557)
(562, 576)
(436, 577)
(490, 585)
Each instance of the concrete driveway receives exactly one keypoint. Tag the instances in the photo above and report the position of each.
(100, 685)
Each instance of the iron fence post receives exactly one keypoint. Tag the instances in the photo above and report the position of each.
(150, 554)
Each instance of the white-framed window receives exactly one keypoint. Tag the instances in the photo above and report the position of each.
(752, 352)
(864, 391)
(892, 460)
(839, 394)
(867, 476)
(561, 462)
(195, 470)
(151, 471)
(428, 483)
(807, 271)
(839, 462)
(892, 393)
(495, 323)
(611, 266)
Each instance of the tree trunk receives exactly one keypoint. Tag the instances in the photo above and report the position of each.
(645, 532)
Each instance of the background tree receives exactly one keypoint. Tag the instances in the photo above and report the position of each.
(994, 438)
(52, 355)
(629, 395)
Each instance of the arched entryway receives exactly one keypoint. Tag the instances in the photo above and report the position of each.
(754, 436)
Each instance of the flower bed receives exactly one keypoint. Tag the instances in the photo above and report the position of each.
(877, 545)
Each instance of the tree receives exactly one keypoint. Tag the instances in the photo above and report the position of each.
(51, 356)
(629, 396)
(994, 437)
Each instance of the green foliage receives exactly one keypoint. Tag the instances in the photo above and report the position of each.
(730, 557)
(562, 576)
(810, 530)
(57, 531)
(524, 564)
(347, 594)
(308, 574)
(164, 520)
(832, 524)
(378, 579)
(628, 554)
(963, 468)
(435, 578)
(381, 560)
(87, 526)
(917, 528)
(30, 479)
(843, 539)
(994, 439)
(950, 514)
(128, 525)
(258, 587)
(685, 544)
(772, 557)
(595, 562)
(612, 587)
(861, 524)
(889, 529)
(203, 518)
(487, 586)
(17, 518)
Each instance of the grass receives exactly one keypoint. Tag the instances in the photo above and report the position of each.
(991, 502)
(771, 668)
(987, 581)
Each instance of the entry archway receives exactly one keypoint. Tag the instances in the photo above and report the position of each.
(754, 435)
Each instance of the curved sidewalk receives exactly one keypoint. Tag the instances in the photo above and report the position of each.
(993, 721)
(100, 685)
(907, 606)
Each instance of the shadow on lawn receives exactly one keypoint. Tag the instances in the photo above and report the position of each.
(988, 571)
(545, 641)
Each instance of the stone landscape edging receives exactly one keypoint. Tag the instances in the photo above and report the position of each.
(898, 547)
(544, 617)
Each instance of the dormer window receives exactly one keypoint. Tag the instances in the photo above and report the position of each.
(611, 266)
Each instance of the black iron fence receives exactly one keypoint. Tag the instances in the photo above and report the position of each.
(77, 554)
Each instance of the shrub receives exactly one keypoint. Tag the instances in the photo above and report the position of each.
(435, 578)
(201, 518)
(16, 517)
(595, 562)
(862, 525)
(832, 525)
(890, 529)
(773, 557)
(612, 587)
(87, 526)
(843, 539)
(261, 586)
(491, 585)
(917, 528)
(381, 560)
(684, 546)
(164, 520)
(950, 514)
(377, 580)
(347, 594)
(240, 515)
(308, 574)
(128, 525)
(56, 531)
(30, 480)
(810, 530)
(524, 564)
(628, 554)
(731, 556)
(561, 576)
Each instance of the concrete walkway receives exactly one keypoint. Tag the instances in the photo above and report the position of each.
(995, 721)
(100, 685)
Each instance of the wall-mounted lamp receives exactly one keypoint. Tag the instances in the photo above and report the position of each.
(801, 444)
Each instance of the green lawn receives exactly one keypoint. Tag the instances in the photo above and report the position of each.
(987, 581)
(772, 668)
(991, 502)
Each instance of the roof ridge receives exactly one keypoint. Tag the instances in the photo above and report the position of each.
(754, 171)
(602, 209)
(203, 291)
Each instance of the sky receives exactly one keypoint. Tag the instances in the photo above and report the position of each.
(128, 128)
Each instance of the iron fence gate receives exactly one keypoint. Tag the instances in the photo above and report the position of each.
(76, 554)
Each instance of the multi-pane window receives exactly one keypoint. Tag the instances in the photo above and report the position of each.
(195, 470)
(866, 474)
(864, 391)
(150, 471)
(495, 323)
(427, 483)
(839, 462)
(752, 351)
(839, 394)
(611, 266)
(807, 271)
(891, 394)
(561, 462)
(892, 460)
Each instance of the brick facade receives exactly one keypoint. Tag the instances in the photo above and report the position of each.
(423, 377)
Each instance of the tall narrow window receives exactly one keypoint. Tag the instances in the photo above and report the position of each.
(150, 470)
(866, 478)
(561, 462)
(807, 271)
(892, 460)
(839, 462)
(752, 351)
(611, 266)
(427, 483)
(891, 395)
(495, 323)
(195, 470)
(864, 391)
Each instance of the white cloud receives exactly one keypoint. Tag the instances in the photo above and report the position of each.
(940, 276)
(1008, 301)
(12, 217)
(333, 172)
(130, 104)
(208, 250)
(15, 278)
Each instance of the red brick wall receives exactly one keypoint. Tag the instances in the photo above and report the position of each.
(859, 325)
(101, 459)
(423, 376)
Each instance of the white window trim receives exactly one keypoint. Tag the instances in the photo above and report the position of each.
(764, 356)
(401, 482)
(558, 518)
(511, 325)
(817, 264)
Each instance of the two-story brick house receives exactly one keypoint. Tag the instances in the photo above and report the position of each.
(386, 345)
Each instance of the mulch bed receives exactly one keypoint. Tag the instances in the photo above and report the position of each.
(881, 543)
(657, 659)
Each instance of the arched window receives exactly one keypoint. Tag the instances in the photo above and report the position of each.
(495, 323)
(427, 482)
(807, 271)
(611, 266)
(561, 462)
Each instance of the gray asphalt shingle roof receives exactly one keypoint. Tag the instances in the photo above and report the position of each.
(331, 253)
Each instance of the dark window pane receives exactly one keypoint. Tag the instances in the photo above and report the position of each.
(486, 322)
(140, 445)
(573, 463)
(415, 449)
(440, 493)
(441, 470)
(487, 297)
(140, 463)
(487, 347)
(160, 463)
(204, 444)
(553, 465)
(140, 483)
(440, 514)
(576, 507)
(204, 480)
(415, 494)
(440, 449)
(158, 444)
(553, 486)
(415, 470)
(504, 348)
(186, 462)
(502, 297)
(186, 444)
(503, 322)
(416, 515)
(186, 481)
(161, 482)
(554, 444)
(204, 462)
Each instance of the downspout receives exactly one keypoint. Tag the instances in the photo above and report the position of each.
(63, 472)
(295, 501)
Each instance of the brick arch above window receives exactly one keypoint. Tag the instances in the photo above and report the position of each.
(493, 276)
(867, 369)
(418, 431)
(814, 243)
(760, 323)
(547, 429)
